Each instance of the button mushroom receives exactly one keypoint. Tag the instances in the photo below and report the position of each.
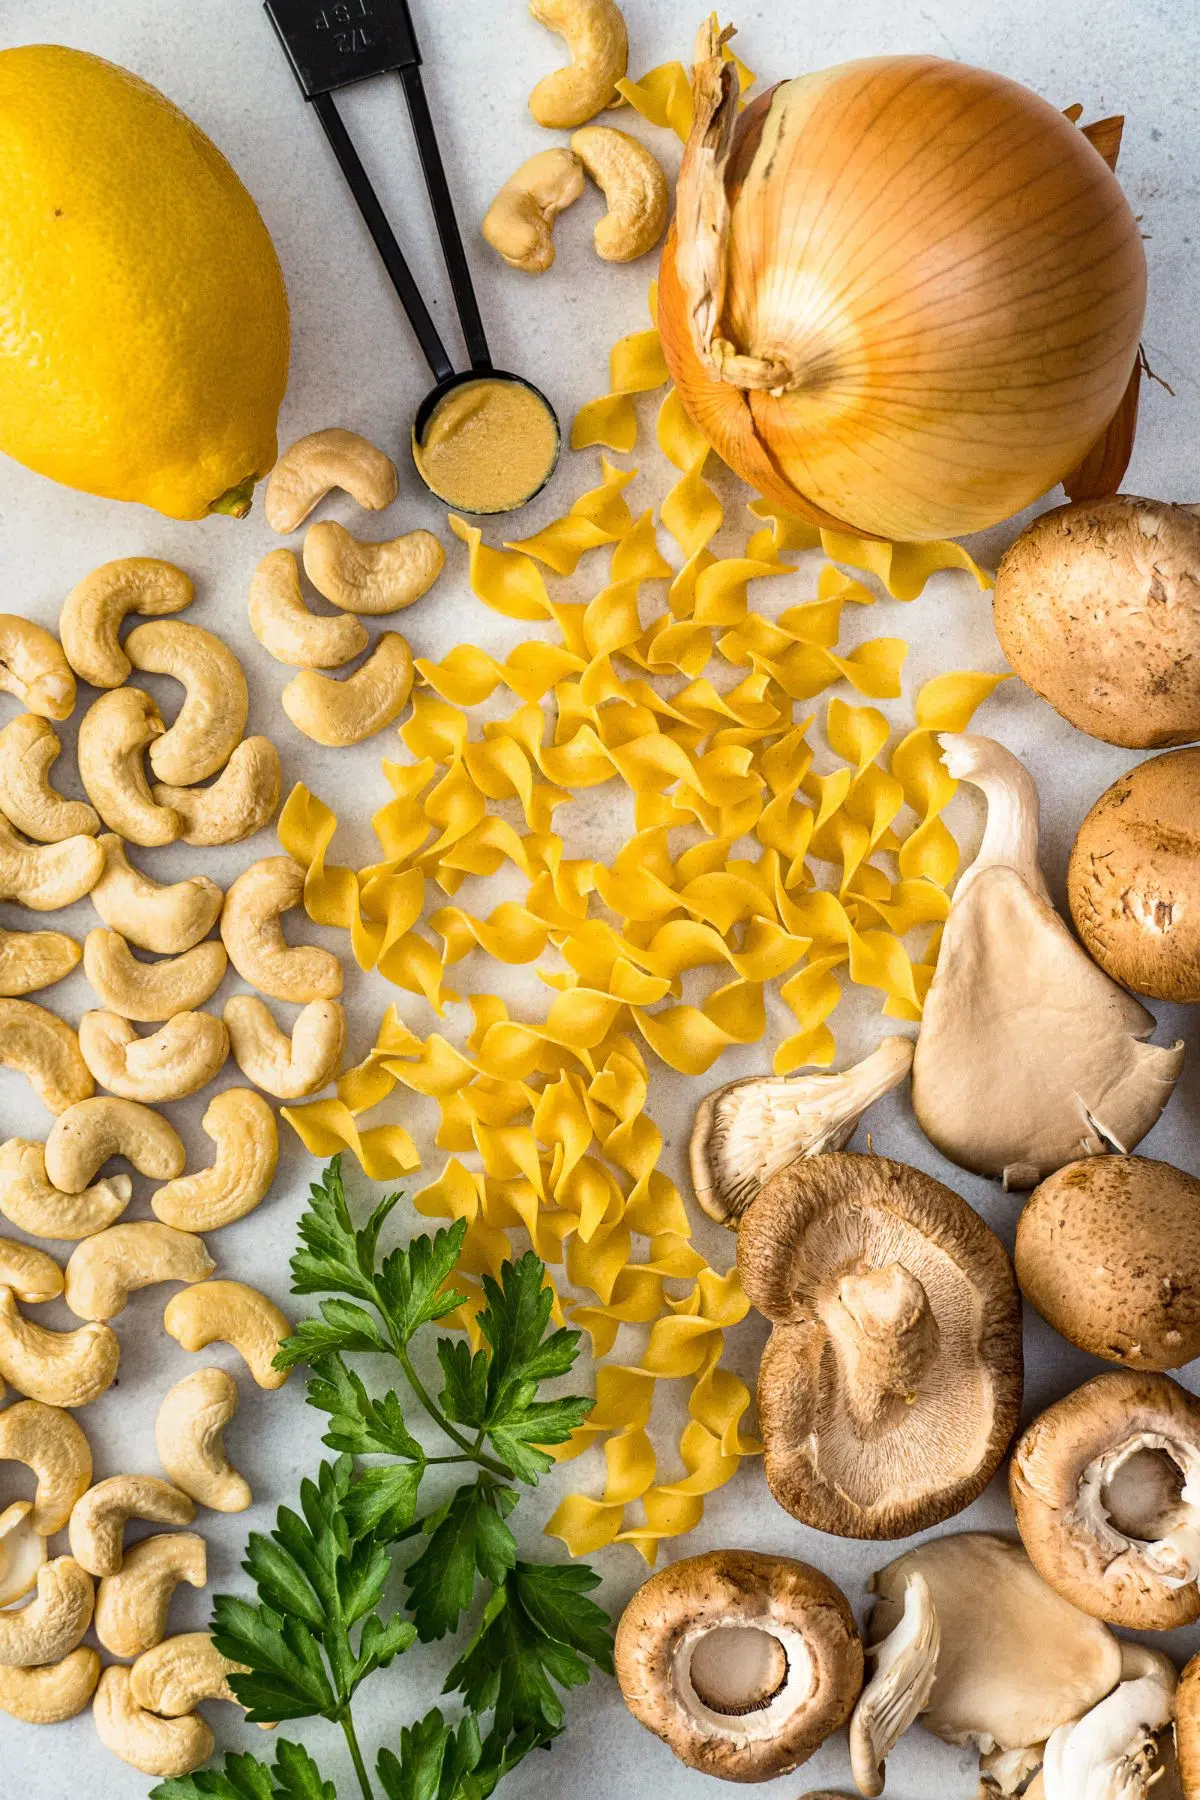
(742, 1664)
(891, 1384)
(1029, 1056)
(1105, 1486)
(748, 1130)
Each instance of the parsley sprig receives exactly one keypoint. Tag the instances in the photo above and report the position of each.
(316, 1630)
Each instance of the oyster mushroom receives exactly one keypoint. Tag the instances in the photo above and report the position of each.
(891, 1384)
(1112, 1750)
(1105, 1486)
(748, 1130)
(1029, 1056)
(742, 1664)
(984, 1651)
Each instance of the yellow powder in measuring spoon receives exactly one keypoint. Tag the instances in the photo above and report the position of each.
(488, 446)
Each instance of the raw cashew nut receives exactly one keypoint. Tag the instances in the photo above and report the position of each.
(596, 38)
(229, 1312)
(243, 1128)
(22, 1552)
(211, 721)
(30, 1202)
(146, 991)
(181, 1057)
(113, 733)
(317, 464)
(55, 1692)
(48, 1441)
(30, 960)
(44, 1049)
(97, 1525)
(285, 627)
(165, 919)
(44, 877)
(33, 1275)
(29, 748)
(634, 185)
(174, 1677)
(93, 610)
(105, 1269)
(60, 1368)
(167, 1748)
(253, 935)
(519, 222)
(33, 667)
(189, 1434)
(365, 577)
(287, 1067)
(84, 1137)
(132, 1605)
(238, 803)
(335, 713)
(53, 1622)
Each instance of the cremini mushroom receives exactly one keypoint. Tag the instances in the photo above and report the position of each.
(50, 1442)
(253, 936)
(151, 991)
(891, 1384)
(189, 1432)
(113, 735)
(596, 38)
(44, 877)
(238, 803)
(30, 960)
(1105, 1486)
(43, 1048)
(105, 1269)
(53, 1693)
(370, 578)
(61, 1368)
(1108, 1250)
(229, 1312)
(1187, 1729)
(97, 1524)
(212, 718)
(339, 712)
(29, 748)
(288, 630)
(165, 919)
(32, 1203)
(95, 608)
(287, 1067)
(33, 667)
(967, 1635)
(175, 1676)
(243, 1128)
(742, 1664)
(178, 1059)
(1029, 1056)
(519, 224)
(748, 1130)
(22, 1552)
(1096, 608)
(49, 1626)
(1133, 884)
(632, 181)
(132, 1605)
(1113, 1749)
(84, 1137)
(167, 1748)
(314, 465)
(33, 1275)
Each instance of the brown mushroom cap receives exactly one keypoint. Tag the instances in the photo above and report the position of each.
(1133, 881)
(1187, 1730)
(700, 1629)
(1097, 608)
(1103, 1486)
(1108, 1250)
(891, 1384)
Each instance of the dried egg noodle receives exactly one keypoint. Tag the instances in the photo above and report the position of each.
(553, 1114)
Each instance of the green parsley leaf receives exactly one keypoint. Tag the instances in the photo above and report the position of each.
(469, 1535)
(297, 1776)
(242, 1778)
(537, 1631)
(384, 1501)
(437, 1762)
(287, 1678)
(358, 1424)
(411, 1284)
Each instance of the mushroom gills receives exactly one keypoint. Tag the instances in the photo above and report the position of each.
(906, 1663)
(1110, 1754)
(736, 1669)
(1141, 1499)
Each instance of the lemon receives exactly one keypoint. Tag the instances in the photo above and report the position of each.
(143, 315)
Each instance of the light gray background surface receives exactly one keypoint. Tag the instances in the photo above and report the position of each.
(354, 363)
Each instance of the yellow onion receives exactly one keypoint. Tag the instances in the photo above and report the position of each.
(902, 295)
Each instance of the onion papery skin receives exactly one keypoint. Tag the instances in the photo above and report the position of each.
(954, 276)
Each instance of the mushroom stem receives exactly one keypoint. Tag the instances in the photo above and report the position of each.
(887, 1334)
(1010, 833)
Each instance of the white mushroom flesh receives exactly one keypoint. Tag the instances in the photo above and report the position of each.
(1140, 1501)
(1109, 1754)
(742, 1680)
(906, 1663)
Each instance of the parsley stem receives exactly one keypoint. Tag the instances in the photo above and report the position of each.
(356, 1755)
(472, 1452)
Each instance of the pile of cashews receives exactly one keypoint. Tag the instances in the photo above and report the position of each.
(152, 961)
